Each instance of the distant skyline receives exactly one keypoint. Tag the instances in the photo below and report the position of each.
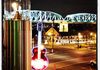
(65, 7)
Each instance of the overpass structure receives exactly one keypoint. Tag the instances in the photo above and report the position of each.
(52, 17)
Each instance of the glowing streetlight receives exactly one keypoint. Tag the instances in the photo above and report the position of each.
(15, 6)
(95, 35)
(91, 33)
(79, 35)
(95, 38)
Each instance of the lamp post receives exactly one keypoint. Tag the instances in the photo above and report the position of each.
(15, 6)
(79, 37)
(52, 38)
(91, 34)
(15, 60)
(22, 38)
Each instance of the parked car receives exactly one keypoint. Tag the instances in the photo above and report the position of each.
(93, 63)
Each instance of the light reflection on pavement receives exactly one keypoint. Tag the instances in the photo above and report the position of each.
(66, 59)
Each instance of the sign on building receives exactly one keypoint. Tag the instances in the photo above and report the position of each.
(63, 27)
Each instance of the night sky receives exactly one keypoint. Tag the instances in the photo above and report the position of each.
(65, 7)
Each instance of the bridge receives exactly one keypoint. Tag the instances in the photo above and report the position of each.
(52, 17)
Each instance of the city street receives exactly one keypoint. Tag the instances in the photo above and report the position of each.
(49, 35)
(71, 59)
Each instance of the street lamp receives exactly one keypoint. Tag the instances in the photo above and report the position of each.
(91, 34)
(52, 37)
(79, 37)
(15, 6)
(95, 38)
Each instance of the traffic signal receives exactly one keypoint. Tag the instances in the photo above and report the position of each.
(39, 26)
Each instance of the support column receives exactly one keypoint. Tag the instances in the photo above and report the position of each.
(28, 44)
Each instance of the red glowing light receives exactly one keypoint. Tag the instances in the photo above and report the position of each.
(39, 64)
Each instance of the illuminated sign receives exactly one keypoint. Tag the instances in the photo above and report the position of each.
(39, 26)
(63, 27)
